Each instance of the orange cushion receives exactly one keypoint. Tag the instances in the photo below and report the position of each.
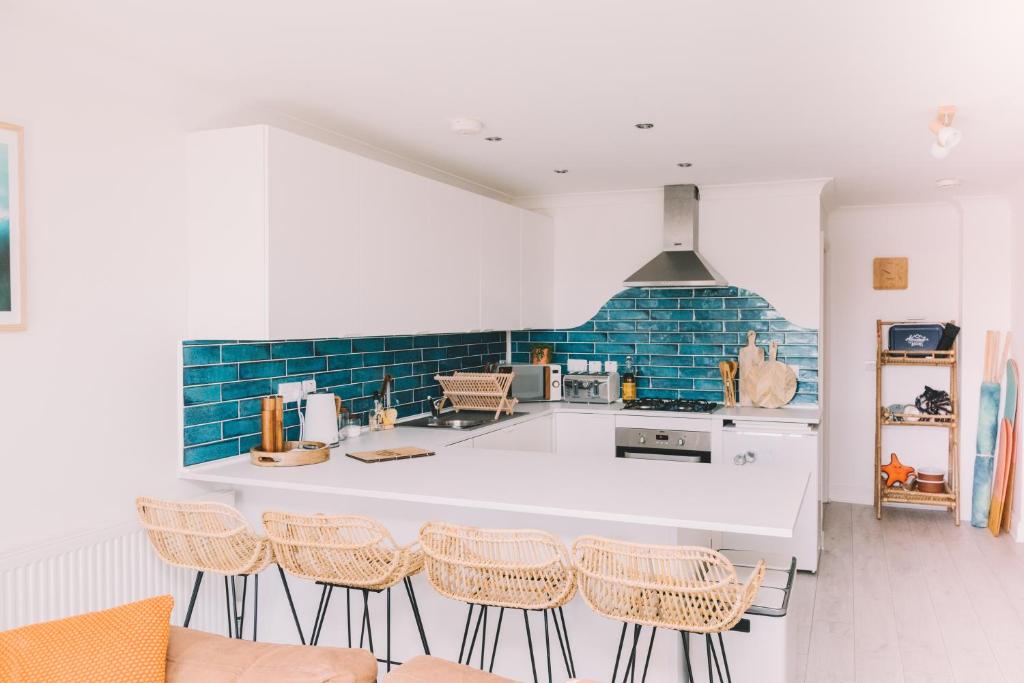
(127, 643)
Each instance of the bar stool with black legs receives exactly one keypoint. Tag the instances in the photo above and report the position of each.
(210, 538)
(502, 569)
(350, 552)
(681, 588)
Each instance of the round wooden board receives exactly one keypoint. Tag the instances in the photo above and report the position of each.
(774, 385)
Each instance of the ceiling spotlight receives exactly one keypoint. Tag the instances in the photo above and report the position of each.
(684, 164)
(494, 138)
(465, 125)
(644, 126)
(947, 183)
(946, 137)
(561, 170)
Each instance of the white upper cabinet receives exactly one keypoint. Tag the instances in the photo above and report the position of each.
(313, 215)
(291, 238)
(537, 271)
(500, 256)
(270, 216)
(418, 253)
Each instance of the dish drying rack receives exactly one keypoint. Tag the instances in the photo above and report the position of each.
(478, 391)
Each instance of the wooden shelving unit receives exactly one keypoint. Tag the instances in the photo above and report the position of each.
(950, 498)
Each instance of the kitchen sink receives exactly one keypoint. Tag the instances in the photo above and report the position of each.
(466, 419)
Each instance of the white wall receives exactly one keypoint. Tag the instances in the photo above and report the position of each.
(89, 404)
(960, 268)
(765, 237)
(929, 236)
(1017, 315)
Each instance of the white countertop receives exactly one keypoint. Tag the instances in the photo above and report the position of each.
(722, 498)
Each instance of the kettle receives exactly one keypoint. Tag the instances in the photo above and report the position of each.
(320, 422)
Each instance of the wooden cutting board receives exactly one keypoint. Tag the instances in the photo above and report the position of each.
(386, 454)
(774, 383)
(750, 357)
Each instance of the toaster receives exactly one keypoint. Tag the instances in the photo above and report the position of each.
(591, 387)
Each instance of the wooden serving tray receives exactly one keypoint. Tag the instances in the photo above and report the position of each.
(386, 454)
(293, 456)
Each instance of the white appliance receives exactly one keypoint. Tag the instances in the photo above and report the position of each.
(320, 423)
(597, 387)
(765, 444)
(541, 382)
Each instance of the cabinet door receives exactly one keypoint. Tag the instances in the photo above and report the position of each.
(585, 434)
(774, 450)
(499, 266)
(537, 270)
(312, 200)
(418, 265)
(535, 435)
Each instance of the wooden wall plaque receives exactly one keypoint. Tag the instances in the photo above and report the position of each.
(891, 272)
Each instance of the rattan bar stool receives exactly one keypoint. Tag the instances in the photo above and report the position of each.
(350, 552)
(214, 538)
(681, 588)
(505, 569)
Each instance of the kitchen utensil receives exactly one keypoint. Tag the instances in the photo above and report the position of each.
(750, 357)
(320, 422)
(295, 453)
(728, 370)
(268, 424)
(774, 383)
(386, 454)
(479, 391)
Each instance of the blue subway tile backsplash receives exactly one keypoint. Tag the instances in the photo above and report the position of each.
(676, 337)
(224, 379)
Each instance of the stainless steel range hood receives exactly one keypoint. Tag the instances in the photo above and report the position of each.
(680, 264)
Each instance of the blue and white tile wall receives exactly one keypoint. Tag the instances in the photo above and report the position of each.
(677, 338)
(224, 380)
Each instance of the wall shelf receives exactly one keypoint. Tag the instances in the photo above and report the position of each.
(950, 498)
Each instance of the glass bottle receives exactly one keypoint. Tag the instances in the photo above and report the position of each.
(629, 380)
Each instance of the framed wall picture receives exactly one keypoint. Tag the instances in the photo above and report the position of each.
(891, 272)
(12, 228)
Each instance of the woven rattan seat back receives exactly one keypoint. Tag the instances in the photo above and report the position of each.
(685, 588)
(519, 569)
(208, 537)
(344, 550)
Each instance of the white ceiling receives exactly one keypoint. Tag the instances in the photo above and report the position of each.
(745, 90)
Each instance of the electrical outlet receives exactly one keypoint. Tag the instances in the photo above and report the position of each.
(290, 391)
(308, 386)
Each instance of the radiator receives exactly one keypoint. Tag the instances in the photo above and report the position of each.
(98, 571)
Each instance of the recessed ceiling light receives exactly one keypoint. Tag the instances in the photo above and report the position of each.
(494, 138)
(946, 183)
(684, 164)
(644, 126)
(465, 125)
(561, 170)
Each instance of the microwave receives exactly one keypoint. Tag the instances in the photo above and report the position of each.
(535, 382)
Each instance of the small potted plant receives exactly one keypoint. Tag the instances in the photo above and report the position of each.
(541, 354)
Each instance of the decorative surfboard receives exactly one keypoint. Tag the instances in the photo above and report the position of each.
(1011, 419)
(984, 461)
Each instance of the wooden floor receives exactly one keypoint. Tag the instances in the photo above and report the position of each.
(911, 598)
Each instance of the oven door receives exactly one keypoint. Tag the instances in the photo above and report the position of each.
(667, 454)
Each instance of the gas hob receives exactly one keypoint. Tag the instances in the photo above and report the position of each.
(674, 405)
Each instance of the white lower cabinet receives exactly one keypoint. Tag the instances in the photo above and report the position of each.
(535, 435)
(765, 445)
(590, 434)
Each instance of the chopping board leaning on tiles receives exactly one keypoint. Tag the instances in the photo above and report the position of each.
(772, 383)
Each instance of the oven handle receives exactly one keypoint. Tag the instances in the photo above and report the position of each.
(703, 457)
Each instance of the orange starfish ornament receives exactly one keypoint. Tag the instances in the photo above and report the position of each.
(896, 472)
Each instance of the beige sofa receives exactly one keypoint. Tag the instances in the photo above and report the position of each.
(198, 657)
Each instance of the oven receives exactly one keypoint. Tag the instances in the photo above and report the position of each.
(672, 445)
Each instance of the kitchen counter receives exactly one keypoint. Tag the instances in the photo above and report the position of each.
(762, 502)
